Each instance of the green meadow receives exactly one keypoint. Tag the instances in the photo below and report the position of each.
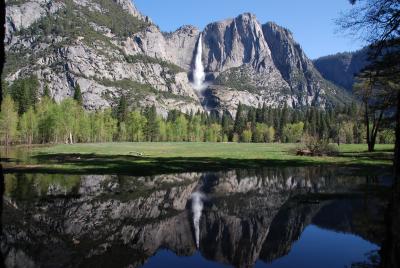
(158, 158)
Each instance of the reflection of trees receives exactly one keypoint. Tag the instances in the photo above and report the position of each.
(391, 246)
(1, 207)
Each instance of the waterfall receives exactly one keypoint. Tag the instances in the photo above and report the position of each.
(197, 208)
(199, 75)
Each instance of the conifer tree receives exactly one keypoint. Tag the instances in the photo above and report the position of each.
(25, 93)
(240, 121)
(151, 129)
(226, 124)
(46, 92)
(122, 109)
(78, 94)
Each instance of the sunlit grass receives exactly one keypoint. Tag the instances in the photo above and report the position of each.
(143, 158)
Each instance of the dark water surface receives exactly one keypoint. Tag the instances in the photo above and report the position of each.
(272, 217)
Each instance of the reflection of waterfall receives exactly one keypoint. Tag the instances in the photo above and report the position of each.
(197, 208)
(199, 75)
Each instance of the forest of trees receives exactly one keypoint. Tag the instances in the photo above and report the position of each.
(28, 119)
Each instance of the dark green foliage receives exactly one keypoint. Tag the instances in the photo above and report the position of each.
(236, 78)
(73, 20)
(240, 120)
(173, 68)
(78, 95)
(122, 109)
(46, 92)
(25, 93)
(151, 128)
(114, 17)
(226, 123)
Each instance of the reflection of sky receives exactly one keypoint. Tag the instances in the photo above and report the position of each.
(167, 259)
(322, 248)
(316, 248)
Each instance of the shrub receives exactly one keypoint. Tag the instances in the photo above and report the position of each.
(314, 146)
(246, 136)
(235, 137)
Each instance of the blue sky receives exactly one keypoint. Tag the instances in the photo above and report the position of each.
(311, 21)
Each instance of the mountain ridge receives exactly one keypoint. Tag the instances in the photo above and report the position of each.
(341, 68)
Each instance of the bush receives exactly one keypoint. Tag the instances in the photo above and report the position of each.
(235, 137)
(246, 136)
(314, 146)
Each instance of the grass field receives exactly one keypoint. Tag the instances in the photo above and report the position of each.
(156, 158)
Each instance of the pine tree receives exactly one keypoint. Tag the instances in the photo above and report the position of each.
(252, 119)
(240, 122)
(122, 109)
(264, 114)
(259, 114)
(25, 93)
(226, 123)
(284, 119)
(46, 92)
(151, 129)
(78, 94)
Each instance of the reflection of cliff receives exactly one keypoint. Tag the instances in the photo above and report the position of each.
(286, 229)
(364, 217)
(123, 221)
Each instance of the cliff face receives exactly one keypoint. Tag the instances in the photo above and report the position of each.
(306, 83)
(341, 68)
(65, 43)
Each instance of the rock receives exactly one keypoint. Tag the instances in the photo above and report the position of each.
(21, 16)
(235, 42)
(306, 83)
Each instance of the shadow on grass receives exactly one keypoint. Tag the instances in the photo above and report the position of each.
(381, 155)
(136, 165)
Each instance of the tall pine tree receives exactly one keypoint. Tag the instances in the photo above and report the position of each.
(78, 94)
(151, 129)
(240, 120)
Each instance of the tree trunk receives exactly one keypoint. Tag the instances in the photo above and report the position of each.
(371, 145)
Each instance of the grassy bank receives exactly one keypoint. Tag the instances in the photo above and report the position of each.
(156, 158)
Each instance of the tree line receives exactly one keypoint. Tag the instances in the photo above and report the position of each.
(25, 119)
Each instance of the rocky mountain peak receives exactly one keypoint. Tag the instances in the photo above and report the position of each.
(234, 42)
(185, 29)
(298, 70)
(129, 6)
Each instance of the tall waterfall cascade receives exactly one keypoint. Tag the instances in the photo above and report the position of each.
(199, 76)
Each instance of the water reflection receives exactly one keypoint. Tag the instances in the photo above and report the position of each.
(239, 218)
